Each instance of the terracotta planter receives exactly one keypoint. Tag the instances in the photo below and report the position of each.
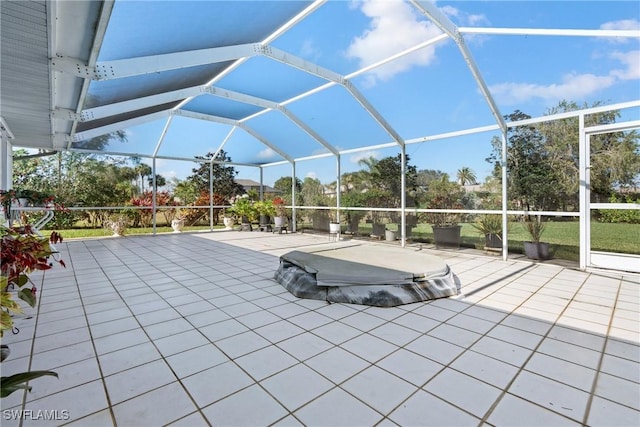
(447, 237)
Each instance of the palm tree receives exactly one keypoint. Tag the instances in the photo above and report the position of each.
(466, 176)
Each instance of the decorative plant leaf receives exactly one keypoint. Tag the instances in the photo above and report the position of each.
(19, 381)
(27, 295)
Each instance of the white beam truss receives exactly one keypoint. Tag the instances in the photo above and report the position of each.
(117, 69)
(101, 28)
(437, 17)
(550, 32)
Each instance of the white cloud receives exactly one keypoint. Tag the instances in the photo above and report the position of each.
(395, 26)
(309, 51)
(311, 175)
(573, 86)
(632, 61)
(623, 24)
(364, 155)
(267, 153)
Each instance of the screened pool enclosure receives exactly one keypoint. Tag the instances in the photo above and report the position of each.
(306, 89)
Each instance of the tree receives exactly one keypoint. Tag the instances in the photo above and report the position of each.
(466, 176)
(224, 176)
(615, 157)
(143, 171)
(386, 176)
(532, 179)
(283, 185)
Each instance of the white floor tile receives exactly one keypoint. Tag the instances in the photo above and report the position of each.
(158, 407)
(249, 407)
(424, 409)
(178, 343)
(395, 334)
(336, 332)
(129, 357)
(138, 380)
(619, 390)
(216, 383)
(562, 371)
(279, 331)
(379, 389)
(266, 362)
(435, 349)
(197, 359)
(485, 368)
(463, 391)
(296, 386)
(78, 401)
(337, 408)
(241, 344)
(514, 411)
(305, 345)
(224, 329)
(120, 340)
(369, 347)
(605, 412)
(454, 335)
(552, 395)
(337, 364)
(569, 352)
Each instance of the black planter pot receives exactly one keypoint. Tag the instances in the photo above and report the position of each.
(535, 250)
(265, 220)
(492, 241)
(5, 352)
(447, 237)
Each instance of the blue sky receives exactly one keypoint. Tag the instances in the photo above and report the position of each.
(428, 92)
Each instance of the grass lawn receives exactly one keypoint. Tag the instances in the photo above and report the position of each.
(563, 236)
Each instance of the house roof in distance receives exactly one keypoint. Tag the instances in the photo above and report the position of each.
(249, 184)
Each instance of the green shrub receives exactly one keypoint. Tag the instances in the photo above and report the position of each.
(631, 216)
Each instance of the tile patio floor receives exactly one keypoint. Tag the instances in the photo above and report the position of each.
(189, 329)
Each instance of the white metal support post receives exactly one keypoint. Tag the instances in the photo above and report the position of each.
(261, 184)
(338, 184)
(6, 163)
(6, 156)
(403, 197)
(211, 195)
(505, 223)
(584, 193)
(293, 197)
(154, 199)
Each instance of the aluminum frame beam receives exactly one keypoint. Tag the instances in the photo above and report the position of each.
(438, 18)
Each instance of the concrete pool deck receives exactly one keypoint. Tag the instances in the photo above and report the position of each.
(190, 329)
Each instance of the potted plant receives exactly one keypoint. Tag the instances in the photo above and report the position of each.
(22, 252)
(177, 223)
(117, 224)
(265, 209)
(244, 208)
(490, 226)
(228, 219)
(280, 218)
(444, 194)
(535, 249)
